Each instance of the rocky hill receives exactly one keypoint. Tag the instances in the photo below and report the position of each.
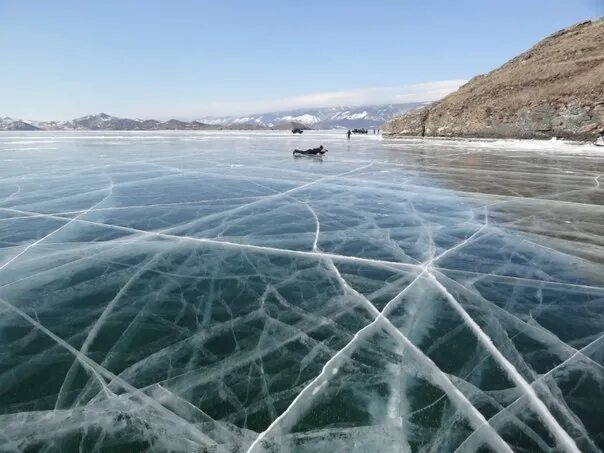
(555, 89)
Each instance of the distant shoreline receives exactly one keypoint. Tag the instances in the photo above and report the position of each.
(538, 143)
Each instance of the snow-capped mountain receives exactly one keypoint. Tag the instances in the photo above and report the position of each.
(370, 116)
(10, 124)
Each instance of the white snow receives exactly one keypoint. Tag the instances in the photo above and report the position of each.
(304, 119)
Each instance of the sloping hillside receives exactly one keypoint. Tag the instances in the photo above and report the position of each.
(556, 89)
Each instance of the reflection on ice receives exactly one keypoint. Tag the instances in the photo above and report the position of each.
(208, 292)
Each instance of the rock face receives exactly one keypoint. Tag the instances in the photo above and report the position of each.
(556, 89)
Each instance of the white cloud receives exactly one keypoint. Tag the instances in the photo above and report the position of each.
(429, 91)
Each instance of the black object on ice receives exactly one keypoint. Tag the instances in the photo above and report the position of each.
(297, 130)
(359, 131)
(310, 152)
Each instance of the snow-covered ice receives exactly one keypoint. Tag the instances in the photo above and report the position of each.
(206, 291)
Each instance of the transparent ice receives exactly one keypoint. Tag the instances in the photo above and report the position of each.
(209, 292)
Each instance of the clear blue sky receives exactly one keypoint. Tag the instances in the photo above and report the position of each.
(62, 59)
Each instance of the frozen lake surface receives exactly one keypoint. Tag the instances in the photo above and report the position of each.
(208, 292)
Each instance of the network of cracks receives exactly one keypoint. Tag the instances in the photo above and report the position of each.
(158, 295)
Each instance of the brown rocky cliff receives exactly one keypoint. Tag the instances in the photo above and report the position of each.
(555, 89)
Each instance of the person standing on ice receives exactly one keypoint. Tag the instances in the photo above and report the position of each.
(348, 134)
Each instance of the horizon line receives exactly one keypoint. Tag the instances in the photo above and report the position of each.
(424, 92)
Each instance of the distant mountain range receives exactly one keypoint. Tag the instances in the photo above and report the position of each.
(102, 122)
(321, 118)
(369, 116)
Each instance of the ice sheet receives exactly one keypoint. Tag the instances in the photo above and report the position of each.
(207, 291)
